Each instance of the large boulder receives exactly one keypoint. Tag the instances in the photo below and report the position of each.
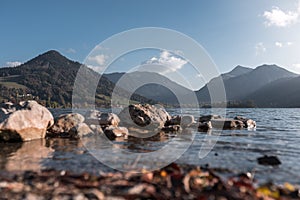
(65, 125)
(103, 119)
(25, 121)
(144, 115)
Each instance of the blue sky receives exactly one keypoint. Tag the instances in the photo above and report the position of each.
(233, 32)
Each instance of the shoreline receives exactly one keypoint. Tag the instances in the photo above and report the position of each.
(171, 182)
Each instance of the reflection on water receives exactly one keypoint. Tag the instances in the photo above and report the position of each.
(24, 156)
(278, 133)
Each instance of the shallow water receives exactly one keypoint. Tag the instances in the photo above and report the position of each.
(233, 151)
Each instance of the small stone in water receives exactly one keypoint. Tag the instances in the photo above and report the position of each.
(268, 160)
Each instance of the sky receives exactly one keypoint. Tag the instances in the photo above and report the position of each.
(232, 32)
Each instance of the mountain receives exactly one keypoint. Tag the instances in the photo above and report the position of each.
(240, 85)
(159, 87)
(237, 71)
(281, 93)
(49, 78)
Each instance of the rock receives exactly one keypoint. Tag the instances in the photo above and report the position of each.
(226, 123)
(268, 160)
(64, 125)
(7, 107)
(142, 115)
(204, 126)
(107, 119)
(96, 129)
(138, 132)
(113, 132)
(174, 120)
(23, 122)
(248, 123)
(187, 120)
(171, 128)
(92, 117)
(239, 124)
(207, 118)
(184, 121)
(103, 119)
(80, 130)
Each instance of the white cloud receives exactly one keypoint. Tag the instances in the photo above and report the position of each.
(280, 18)
(170, 62)
(283, 44)
(295, 68)
(71, 50)
(99, 69)
(97, 62)
(199, 75)
(98, 59)
(260, 48)
(12, 64)
(278, 44)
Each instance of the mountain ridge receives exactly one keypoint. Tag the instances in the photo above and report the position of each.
(49, 78)
(159, 87)
(239, 87)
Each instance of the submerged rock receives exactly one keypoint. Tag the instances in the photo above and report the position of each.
(184, 121)
(226, 123)
(113, 132)
(25, 121)
(172, 128)
(248, 123)
(216, 121)
(207, 118)
(204, 126)
(268, 160)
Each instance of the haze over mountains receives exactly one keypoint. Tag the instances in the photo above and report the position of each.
(241, 84)
(159, 88)
(50, 78)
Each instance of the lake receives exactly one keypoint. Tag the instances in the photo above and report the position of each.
(235, 151)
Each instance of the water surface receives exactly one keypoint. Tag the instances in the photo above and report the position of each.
(235, 151)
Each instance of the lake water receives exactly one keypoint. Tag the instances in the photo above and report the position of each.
(235, 151)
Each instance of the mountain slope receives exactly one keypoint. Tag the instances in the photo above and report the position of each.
(237, 71)
(159, 88)
(241, 86)
(50, 77)
(281, 93)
